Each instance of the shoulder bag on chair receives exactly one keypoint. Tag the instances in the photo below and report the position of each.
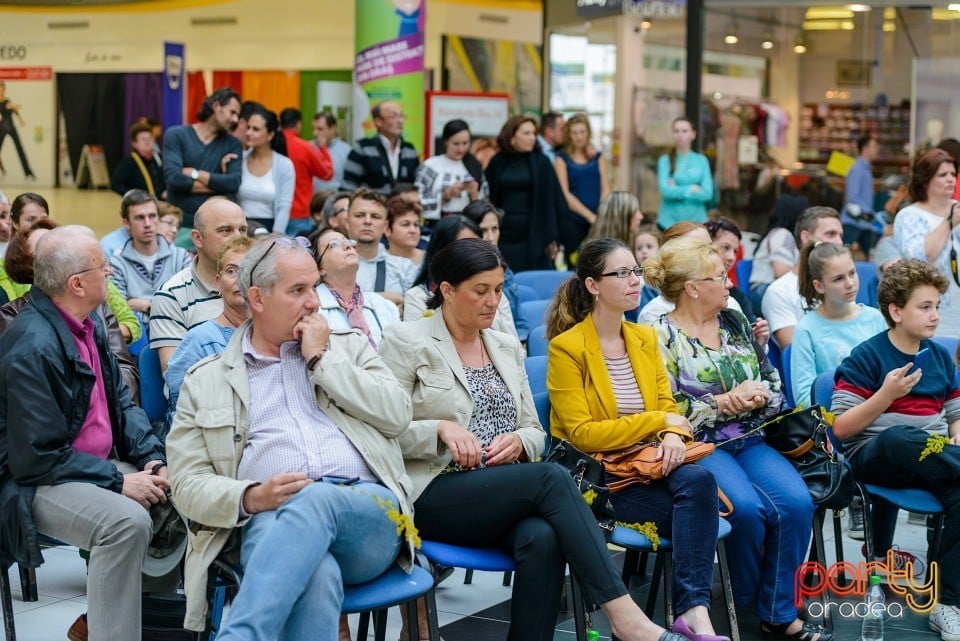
(801, 436)
(587, 472)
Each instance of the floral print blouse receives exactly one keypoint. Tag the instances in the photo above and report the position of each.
(698, 373)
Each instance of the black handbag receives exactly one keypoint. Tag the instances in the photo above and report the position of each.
(587, 473)
(801, 436)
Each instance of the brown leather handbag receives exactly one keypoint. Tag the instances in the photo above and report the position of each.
(638, 463)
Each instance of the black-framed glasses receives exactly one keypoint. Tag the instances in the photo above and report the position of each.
(624, 272)
(334, 244)
(287, 243)
(103, 267)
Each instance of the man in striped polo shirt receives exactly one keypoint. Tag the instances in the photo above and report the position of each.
(191, 297)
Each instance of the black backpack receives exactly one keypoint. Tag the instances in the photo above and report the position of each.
(162, 617)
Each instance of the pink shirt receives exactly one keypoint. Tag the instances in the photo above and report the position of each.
(96, 434)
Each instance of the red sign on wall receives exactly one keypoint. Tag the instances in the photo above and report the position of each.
(26, 73)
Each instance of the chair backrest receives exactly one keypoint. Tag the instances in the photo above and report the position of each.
(546, 282)
(822, 392)
(744, 267)
(787, 380)
(948, 343)
(526, 293)
(774, 355)
(536, 367)
(537, 341)
(535, 312)
(152, 399)
(869, 282)
(542, 401)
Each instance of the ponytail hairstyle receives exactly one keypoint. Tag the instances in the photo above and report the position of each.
(678, 262)
(813, 260)
(573, 302)
(673, 150)
(678, 230)
(278, 143)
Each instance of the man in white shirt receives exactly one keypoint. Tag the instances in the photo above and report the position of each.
(325, 135)
(782, 303)
(390, 276)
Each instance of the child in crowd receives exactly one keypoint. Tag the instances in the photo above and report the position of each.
(645, 243)
(829, 285)
(897, 408)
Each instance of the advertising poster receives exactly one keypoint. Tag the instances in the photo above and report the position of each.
(26, 140)
(389, 62)
(174, 74)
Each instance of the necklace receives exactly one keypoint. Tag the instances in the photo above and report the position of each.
(463, 359)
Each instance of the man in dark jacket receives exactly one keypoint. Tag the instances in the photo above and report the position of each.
(384, 160)
(70, 434)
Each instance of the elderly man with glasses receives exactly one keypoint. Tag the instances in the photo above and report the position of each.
(291, 435)
(383, 160)
(78, 460)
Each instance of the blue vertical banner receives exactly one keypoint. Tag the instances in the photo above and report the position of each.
(174, 78)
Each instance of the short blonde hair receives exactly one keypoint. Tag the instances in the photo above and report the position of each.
(241, 244)
(678, 261)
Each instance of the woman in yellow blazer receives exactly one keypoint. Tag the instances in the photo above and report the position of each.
(472, 445)
(609, 390)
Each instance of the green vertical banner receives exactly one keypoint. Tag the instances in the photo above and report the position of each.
(389, 62)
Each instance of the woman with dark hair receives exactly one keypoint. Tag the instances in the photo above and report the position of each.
(488, 219)
(470, 447)
(927, 228)
(683, 178)
(268, 177)
(583, 179)
(777, 251)
(27, 208)
(403, 229)
(524, 185)
(449, 181)
(18, 263)
(609, 390)
(726, 236)
(415, 299)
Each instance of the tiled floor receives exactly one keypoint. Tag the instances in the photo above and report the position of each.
(476, 612)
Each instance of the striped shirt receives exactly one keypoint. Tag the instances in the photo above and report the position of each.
(182, 303)
(288, 431)
(625, 388)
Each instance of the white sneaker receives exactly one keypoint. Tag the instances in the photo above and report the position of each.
(945, 619)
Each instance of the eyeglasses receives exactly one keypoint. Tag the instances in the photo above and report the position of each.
(230, 271)
(104, 266)
(394, 116)
(334, 244)
(717, 279)
(624, 272)
(287, 243)
(341, 210)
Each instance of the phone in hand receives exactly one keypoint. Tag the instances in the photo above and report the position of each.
(920, 359)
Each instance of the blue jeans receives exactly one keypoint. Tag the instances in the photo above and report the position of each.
(296, 560)
(298, 225)
(684, 508)
(772, 521)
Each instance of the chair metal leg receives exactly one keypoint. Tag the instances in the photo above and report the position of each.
(9, 630)
(867, 525)
(933, 553)
(363, 626)
(379, 625)
(727, 591)
(579, 611)
(838, 543)
(433, 626)
(668, 588)
(28, 584)
(654, 586)
(631, 559)
(412, 619)
(468, 577)
(821, 554)
(642, 565)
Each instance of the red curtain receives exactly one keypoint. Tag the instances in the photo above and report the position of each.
(196, 92)
(232, 79)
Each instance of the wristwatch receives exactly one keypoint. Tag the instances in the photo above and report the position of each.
(195, 174)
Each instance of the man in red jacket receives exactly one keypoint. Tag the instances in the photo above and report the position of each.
(309, 161)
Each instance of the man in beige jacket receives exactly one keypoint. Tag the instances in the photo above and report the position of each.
(290, 435)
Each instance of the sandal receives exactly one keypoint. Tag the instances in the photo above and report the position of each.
(807, 632)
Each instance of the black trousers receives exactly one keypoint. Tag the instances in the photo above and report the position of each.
(535, 512)
(10, 130)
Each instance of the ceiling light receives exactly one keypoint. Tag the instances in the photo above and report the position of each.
(799, 46)
(889, 26)
(953, 6)
(828, 13)
(731, 38)
(646, 23)
(767, 43)
(858, 8)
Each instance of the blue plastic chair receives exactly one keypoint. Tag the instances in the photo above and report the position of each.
(535, 312)
(914, 500)
(393, 587)
(787, 380)
(637, 544)
(137, 346)
(869, 282)
(948, 343)
(152, 399)
(743, 269)
(527, 293)
(494, 560)
(542, 402)
(545, 282)
(774, 355)
(537, 341)
(536, 367)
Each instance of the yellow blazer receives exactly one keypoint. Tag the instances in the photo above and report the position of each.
(423, 357)
(583, 409)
